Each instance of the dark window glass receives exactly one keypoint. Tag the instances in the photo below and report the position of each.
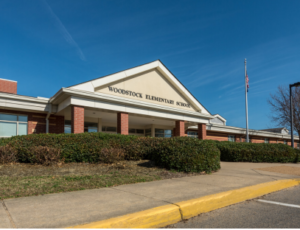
(159, 131)
(111, 129)
(148, 132)
(140, 131)
(131, 130)
(67, 122)
(90, 124)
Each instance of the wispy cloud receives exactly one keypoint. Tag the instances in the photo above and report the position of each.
(67, 36)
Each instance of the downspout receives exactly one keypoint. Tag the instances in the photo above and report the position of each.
(47, 117)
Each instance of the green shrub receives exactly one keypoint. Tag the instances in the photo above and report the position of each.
(183, 154)
(84, 147)
(186, 154)
(256, 152)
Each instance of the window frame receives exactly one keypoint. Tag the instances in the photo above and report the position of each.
(164, 133)
(193, 134)
(266, 141)
(17, 122)
(231, 136)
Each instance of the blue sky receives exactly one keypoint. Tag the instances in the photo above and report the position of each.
(46, 45)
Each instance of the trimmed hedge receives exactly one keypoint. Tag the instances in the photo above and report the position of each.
(84, 147)
(257, 152)
(187, 154)
(181, 153)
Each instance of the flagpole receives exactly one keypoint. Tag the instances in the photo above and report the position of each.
(247, 132)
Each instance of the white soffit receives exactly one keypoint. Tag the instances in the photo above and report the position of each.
(91, 85)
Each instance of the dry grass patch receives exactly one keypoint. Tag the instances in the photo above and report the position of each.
(19, 180)
(283, 169)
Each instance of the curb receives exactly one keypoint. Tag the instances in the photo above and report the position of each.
(173, 213)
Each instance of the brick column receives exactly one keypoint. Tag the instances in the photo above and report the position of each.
(179, 130)
(77, 119)
(202, 131)
(122, 123)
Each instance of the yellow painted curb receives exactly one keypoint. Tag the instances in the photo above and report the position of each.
(209, 203)
(151, 218)
(173, 213)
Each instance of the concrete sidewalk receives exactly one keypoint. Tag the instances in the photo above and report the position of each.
(75, 208)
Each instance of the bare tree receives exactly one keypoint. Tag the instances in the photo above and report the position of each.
(280, 107)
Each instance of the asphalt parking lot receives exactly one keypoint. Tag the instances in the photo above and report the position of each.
(276, 210)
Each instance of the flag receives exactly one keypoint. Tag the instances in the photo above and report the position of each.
(247, 80)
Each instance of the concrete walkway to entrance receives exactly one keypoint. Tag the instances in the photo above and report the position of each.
(75, 208)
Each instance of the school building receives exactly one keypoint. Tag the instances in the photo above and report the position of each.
(146, 100)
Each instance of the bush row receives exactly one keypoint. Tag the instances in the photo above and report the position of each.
(181, 153)
(257, 152)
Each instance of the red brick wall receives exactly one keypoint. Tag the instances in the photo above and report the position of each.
(37, 122)
(77, 119)
(255, 139)
(217, 136)
(202, 131)
(179, 130)
(122, 123)
(8, 86)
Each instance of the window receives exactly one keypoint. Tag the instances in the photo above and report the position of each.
(68, 126)
(148, 132)
(298, 145)
(266, 140)
(285, 142)
(12, 125)
(163, 133)
(136, 131)
(109, 129)
(231, 138)
(90, 127)
(192, 134)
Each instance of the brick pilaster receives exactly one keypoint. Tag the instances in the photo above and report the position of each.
(77, 119)
(202, 131)
(179, 130)
(122, 123)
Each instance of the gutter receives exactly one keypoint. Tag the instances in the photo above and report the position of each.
(124, 101)
(47, 117)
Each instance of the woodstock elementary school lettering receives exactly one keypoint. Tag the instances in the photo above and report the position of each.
(149, 97)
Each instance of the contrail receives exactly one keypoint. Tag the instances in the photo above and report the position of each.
(66, 33)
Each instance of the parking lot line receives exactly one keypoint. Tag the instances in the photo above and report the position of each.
(279, 203)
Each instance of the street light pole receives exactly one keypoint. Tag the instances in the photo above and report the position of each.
(291, 112)
(291, 115)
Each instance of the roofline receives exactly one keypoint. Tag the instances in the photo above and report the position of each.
(23, 97)
(112, 73)
(142, 65)
(183, 86)
(218, 115)
(257, 132)
(7, 80)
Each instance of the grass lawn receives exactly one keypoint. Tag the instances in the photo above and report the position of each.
(19, 180)
(37, 185)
